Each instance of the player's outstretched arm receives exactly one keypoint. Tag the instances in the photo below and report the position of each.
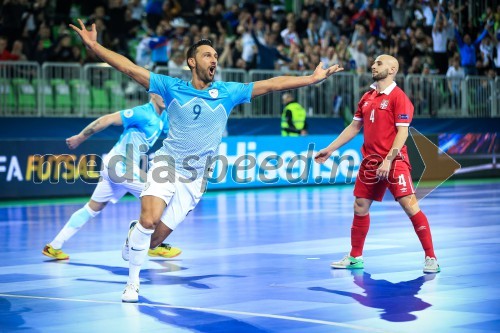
(347, 135)
(127, 67)
(96, 126)
(280, 83)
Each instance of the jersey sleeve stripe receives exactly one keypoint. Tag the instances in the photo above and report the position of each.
(358, 118)
(403, 124)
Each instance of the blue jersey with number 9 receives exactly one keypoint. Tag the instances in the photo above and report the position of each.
(197, 119)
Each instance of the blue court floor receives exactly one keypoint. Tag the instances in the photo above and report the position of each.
(258, 261)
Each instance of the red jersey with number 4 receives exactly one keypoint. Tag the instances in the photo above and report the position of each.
(381, 114)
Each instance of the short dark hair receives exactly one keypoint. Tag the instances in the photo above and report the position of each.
(191, 52)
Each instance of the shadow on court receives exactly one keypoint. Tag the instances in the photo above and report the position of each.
(196, 321)
(13, 320)
(396, 300)
(155, 277)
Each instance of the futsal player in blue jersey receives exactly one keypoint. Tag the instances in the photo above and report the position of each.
(121, 174)
(198, 112)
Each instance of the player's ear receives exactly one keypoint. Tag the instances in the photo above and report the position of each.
(191, 62)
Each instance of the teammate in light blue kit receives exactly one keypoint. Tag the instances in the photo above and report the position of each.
(198, 112)
(143, 125)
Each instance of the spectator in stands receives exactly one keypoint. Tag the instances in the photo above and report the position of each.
(467, 51)
(137, 9)
(290, 35)
(180, 29)
(267, 52)
(63, 51)
(399, 15)
(359, 58)
(5, 55)
(302, 22)
(43, 45)
(158, 46)
(103, 36)
(99, 14)
(18, 50)
(329, 28)
(455, 75)
(12, 25)
(117, 30)
(171, 9)
(154, 13)
(486, 48)
(247, 42)
(440, 41)
(177, 66)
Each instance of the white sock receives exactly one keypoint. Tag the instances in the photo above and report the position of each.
(138, 241)
(75, 222)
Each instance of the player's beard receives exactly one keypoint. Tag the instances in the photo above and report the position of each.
(381, 75)
(203, 75)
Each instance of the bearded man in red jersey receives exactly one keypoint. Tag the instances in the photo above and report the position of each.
(386, 113)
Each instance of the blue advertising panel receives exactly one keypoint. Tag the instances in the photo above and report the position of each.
(266, 161)
(43, 168)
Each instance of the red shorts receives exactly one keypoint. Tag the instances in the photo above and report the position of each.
(368, 186)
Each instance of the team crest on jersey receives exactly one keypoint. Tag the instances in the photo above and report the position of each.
(384, 104)
(213, 93)
(365, 104)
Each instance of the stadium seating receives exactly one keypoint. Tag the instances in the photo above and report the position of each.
(100, 100)
(8, 101)
(62, 96)
(80, 95)
(116, 94)
(26, 95)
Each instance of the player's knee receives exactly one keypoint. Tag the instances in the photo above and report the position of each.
(361, 207)
(148, 221)
(409, 205)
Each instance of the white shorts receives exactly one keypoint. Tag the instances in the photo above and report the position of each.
(110, 191)
(180, 196)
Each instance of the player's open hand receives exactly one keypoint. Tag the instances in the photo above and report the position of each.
(89, 38)
(383, 170)
(74, 141)
(321, 73)
(322, 155)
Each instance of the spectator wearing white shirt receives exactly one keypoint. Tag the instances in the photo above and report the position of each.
(439, 41)
(359, 57)
(455, 75)
(289, 35)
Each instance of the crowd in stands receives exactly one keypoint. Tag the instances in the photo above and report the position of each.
(424, 35)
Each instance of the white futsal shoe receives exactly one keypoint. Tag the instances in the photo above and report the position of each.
(131, 293)
(431, 265)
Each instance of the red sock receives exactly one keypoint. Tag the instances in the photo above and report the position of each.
(421, 226)
(359, 229)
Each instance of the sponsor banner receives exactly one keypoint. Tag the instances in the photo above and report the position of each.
(41, 168)
(266, 161)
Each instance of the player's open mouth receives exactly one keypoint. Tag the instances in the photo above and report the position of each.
(211, 70)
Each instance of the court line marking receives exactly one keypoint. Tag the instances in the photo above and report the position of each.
(244, 313)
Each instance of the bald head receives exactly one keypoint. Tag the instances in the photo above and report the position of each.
(389, 61)
(385, 66)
